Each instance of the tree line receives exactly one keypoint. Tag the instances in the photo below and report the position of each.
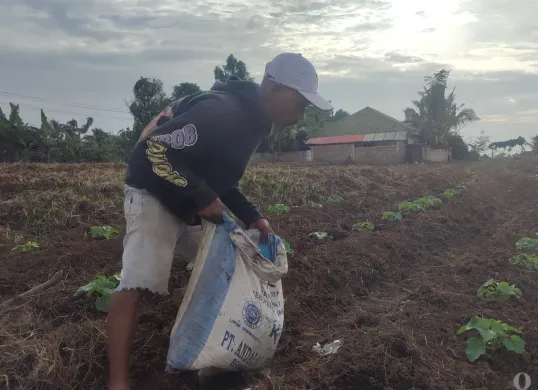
(436, 117)
(72, 141)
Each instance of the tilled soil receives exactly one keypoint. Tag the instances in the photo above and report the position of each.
(396, 297)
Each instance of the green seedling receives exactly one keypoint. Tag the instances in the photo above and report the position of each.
(30, 246)
(472, 176)
(450, 193)
(461, 187)
(429, 202)
(527, 244)
(363, 226)
(335, 199)
(498, 289)
(279, 208)
(320, 235)
(529, 261)
(391, 216)
(407, 208)
(103, 287)
(315, 205)
(106, 232)
(289, 249)
(493, 334)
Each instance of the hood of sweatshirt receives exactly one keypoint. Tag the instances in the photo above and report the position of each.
(247, 92)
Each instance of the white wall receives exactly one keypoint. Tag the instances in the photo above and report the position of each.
(436, 155)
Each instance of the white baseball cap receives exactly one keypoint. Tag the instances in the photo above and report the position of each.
(294, 71)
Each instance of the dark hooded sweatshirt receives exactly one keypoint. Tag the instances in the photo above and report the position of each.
(198, 148)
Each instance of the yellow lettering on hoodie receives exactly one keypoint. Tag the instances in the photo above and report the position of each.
(156, 154)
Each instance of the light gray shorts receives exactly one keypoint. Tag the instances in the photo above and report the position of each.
(152, 237)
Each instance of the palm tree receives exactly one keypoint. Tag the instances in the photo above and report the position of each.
(436, 115)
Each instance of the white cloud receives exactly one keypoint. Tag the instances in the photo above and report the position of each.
(368, 52)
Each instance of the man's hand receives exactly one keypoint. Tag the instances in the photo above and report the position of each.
(263, 226)
(213, 212)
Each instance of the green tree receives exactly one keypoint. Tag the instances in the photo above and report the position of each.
(480, 143)
(184, 89)
(14, 135)
(435, 115)
(340, 114)
(232, 67)
(460, 150)
(149, 99)
(509, 144)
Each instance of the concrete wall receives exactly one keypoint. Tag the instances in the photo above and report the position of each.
(297, 156)
(333, 153)
(381, 155)
(375, 155)
(436, 155)
(394, 153)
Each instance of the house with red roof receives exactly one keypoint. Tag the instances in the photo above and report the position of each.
(369, 137)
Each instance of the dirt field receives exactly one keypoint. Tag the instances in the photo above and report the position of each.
(396, 296)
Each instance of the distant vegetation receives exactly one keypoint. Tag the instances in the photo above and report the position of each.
(436, 117)
(73, 141)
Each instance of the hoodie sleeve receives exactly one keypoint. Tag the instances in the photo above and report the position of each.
(241, 206)
(167, 151)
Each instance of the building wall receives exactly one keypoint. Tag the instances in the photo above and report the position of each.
(333, 153)
(381, 155)
(436, 155)
(297, 156)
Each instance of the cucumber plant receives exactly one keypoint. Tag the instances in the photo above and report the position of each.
(278, 208)
(407, 208)
(391, 216)
(289, 249)
(334, 199)
(498, 289)
(529, 261)
(493, 335)
(103, 287)
(106, 232)
(30, 246)
(363, 226)
(429, 202)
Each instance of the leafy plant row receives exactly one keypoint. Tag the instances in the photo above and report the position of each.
(492, 334)
(97, 232)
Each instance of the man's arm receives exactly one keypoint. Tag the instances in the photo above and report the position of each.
(238, 204)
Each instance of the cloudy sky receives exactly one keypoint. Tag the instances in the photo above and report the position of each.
(78, 58)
